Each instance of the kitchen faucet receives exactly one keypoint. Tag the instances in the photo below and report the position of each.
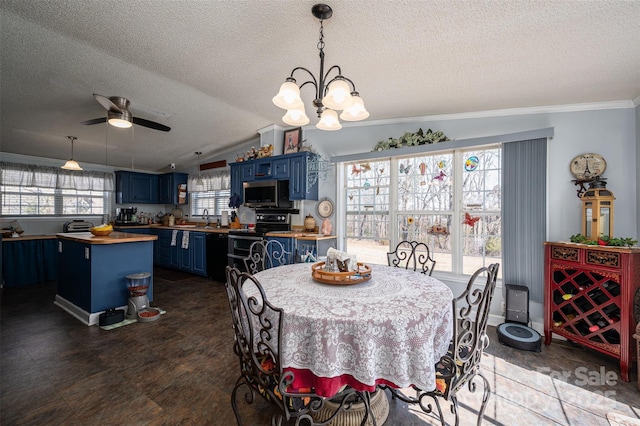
(205, 214)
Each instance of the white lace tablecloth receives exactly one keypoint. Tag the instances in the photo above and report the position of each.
(394, 327)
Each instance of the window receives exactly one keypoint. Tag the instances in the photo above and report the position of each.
(29, 190)
(451, 200)
(213, 201)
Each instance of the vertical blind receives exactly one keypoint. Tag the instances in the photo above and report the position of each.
(524, 224)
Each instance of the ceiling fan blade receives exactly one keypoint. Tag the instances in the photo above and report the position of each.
(94, 121)
(107, 103)
(151, 124)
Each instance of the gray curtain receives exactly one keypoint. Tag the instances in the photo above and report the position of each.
(524, 171)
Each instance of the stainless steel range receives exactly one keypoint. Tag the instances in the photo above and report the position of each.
(240, 240)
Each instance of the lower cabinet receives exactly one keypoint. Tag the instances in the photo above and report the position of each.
(306, 250)
(288, 244)
(26, 262)
(170, 254)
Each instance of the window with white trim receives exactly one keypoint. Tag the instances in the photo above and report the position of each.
(213, 201)
(29, 190)
(450, 200)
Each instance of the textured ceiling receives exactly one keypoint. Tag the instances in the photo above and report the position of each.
(208, 69)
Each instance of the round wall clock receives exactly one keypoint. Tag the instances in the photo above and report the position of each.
(587, 166)
(325, 208)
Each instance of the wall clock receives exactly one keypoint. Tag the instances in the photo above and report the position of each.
(587, 166)
(325, 208)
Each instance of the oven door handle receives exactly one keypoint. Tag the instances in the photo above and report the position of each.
(245, 237)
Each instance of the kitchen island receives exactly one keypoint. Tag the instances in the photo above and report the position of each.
(92, 271)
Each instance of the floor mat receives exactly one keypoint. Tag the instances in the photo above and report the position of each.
(126, 321)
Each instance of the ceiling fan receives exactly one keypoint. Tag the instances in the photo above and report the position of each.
(118, 114)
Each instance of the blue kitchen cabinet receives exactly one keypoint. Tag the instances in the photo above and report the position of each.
(134, 187)
(192, 259)
(92, 277)
(163, 249)
(168, 188)
(292, 167)
(27, 262)
(281, 168)
(247, 171)
(299, 187)
(287, 243)
(198, 248)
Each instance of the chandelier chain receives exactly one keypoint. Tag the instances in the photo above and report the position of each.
(321, 40)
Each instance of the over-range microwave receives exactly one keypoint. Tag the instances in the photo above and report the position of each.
(267, 193)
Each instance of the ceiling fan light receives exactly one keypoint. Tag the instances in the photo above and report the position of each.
(356, 111)
(329, 120)
(296, 117)
(122, 119)
(338, 95)
(72, 165)
(118, 122)
(288, 96)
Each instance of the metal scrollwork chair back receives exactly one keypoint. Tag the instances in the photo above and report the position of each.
(266, 254)
(257, 343)
(412, 254)
(461, 365)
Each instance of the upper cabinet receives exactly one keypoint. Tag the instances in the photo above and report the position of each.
(172, 188)
(146, 188)
(134, 187)
(292, 167)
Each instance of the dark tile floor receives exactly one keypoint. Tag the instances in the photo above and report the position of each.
(180, 370)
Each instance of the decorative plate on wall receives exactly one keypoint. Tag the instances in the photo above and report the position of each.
(325, 207)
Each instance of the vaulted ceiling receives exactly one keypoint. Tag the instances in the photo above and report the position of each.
(208, 69)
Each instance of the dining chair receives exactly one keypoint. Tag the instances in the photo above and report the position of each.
(412, 254)
(460, 366)
(257, 343)
(265, 254)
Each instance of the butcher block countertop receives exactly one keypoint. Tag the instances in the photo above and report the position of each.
(195, 228)
(300, 235)
(24, 237)
(114, 238)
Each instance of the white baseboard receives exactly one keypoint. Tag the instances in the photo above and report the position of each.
(83, 316)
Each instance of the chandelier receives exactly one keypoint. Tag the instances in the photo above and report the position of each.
(332, 94)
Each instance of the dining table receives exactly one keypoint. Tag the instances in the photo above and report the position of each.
(390, 329)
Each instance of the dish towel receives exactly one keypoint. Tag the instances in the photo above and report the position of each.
(185, 239)
(174, 235)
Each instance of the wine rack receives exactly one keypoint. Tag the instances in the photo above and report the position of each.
(589, 292)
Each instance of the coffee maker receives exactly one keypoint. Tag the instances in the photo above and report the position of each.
(126, 216)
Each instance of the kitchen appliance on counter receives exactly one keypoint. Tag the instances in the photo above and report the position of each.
(267, 220)
(126, 216)
(77, 225)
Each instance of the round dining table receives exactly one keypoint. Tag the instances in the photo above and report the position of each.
(391, 329)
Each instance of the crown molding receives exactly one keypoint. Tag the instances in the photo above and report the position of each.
(636, 101)
(500, 113)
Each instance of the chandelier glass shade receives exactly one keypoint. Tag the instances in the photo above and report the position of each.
(333, 91)
(71, 164)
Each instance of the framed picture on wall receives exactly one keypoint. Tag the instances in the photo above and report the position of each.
(292, 140)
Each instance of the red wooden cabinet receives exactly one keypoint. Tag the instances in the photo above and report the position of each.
(589, 297)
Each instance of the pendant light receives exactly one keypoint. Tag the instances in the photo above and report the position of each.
(72, 164)
(199, 182)
(332, 94)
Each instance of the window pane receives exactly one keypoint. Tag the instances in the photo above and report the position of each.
(213, 201)
(431, 229)
(425, 183)
(367, 205)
